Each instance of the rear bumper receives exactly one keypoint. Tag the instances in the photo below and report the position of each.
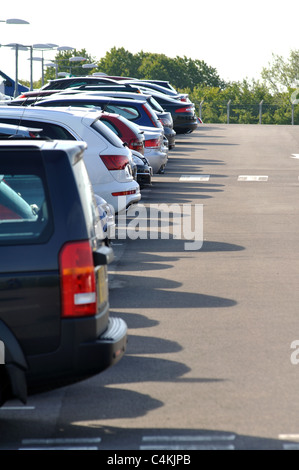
(185, 124)
(170, 135)
(13, 382)
(78, 357)
(156, 158)
(145, 178)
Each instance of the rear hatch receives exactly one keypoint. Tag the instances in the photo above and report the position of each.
(41, 210)
(29, 281)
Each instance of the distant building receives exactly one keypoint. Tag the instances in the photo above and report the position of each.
(7, 85)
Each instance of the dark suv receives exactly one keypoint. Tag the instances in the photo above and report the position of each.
(55, 324)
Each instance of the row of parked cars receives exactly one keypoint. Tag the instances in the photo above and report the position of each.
(72, 155)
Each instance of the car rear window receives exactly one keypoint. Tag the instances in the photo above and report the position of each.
(25, 215)
(129, 112)
(48, 130)
(107, 133)
(112, 127)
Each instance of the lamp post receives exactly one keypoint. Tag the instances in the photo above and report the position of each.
(43, 48)
(54, 63)
(15, 21)
(17, 47)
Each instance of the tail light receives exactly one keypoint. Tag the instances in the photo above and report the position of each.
(125, 193)
(137, 145)
(152, 143)
(115, 162)
(187, 109)
(78, 281)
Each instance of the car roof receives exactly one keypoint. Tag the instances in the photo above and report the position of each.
(40, 112)
(70, 146)
(88, 96)
(110, 94)
(87, 78)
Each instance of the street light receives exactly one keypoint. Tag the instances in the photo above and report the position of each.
(42, 48)
(71, 59)
(89, 66)
(14, 21)
(17, 47)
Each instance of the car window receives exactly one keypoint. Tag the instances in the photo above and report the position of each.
(108, 134)
(111, 126)
(155, 105)
(128, 112)
(49, 130)
(25, 215)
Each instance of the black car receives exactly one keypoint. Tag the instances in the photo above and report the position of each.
(144, 170)
(55, 323)
(137, 111)
(121, 92)
(183, 114)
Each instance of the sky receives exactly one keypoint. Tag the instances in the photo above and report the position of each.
(236, 38)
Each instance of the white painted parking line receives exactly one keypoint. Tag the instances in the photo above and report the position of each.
(229, 437)
(295, 155)
(290, 446)
(252, 178)
(80, 443)
(191, 447)
(58, 448)
(289, 437)
(195, 442)
(194, 178)
(62, 440)
(9, 408)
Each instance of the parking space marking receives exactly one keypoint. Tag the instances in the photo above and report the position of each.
(290, 446)
(252, 178)
(63, 441)
(61, 444)
(9, 408)
(295, 155)
(58, 448)
(199, 442)
(289, 437)
(194, 178)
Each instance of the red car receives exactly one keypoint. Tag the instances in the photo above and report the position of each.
(127, 131)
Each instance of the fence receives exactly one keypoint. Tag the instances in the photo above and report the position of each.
(258, 113)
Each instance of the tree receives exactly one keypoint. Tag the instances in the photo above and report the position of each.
(63, 63)
(119, 62)
(282, 75)
(182, 72)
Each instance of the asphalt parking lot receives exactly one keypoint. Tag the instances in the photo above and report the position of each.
(211, 360)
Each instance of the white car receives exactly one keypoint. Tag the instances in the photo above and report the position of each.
(107, 160)
(137, 111)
